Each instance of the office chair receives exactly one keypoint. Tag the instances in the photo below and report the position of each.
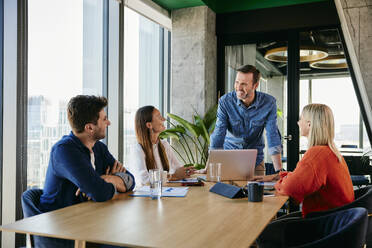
(363, 198)
(30, 206)
(345, 228)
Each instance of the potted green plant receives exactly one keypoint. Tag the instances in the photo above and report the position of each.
(192, 138)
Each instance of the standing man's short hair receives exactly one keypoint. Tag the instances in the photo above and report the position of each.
(250, 69)
(83, 109)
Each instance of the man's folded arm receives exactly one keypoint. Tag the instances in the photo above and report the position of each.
(128, 180)
(68, 163)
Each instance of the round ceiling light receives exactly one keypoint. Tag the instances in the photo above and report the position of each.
(307, 54)
(331, 62)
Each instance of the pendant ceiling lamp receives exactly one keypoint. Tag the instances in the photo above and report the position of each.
(331, 62)
(307, 54)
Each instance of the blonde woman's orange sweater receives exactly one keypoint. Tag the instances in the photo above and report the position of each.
(319, 181)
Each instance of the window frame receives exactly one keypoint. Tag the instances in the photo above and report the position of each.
(1, 105)
(164, 72)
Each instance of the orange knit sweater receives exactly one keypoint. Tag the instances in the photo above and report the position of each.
(319, 181)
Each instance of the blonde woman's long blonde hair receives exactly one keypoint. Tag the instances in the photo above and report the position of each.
(322, 127)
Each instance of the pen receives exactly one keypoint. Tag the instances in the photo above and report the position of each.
(169, 190)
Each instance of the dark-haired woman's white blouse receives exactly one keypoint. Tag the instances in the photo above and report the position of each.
(137, 162)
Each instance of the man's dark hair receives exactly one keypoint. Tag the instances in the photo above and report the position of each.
(83, 109)
(250, 69)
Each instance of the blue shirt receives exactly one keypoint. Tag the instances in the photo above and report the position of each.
(70, 168)
(241, 127)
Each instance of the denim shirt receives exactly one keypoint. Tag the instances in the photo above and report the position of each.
(241, 127)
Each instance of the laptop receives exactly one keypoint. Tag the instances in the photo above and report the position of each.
(237, 165)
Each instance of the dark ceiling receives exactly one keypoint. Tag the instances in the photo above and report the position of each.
(225, 6)
(328, 39)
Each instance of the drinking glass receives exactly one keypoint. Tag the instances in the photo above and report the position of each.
(164, 177)
(214, 170)
(155, 183)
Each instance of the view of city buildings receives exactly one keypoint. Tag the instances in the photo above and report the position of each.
(42, 135)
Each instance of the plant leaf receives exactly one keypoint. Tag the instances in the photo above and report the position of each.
(187, 125)
(196, 166)
(210, 117)
(279, 112)
(166, 135)
(177, 129)
(211, 128)
(204, 133)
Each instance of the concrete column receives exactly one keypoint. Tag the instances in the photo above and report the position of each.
(194, 61)
(356, 19)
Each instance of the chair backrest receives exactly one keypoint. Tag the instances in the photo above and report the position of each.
(31, 202)
(30, 206)
(346, 228)
(363, 198)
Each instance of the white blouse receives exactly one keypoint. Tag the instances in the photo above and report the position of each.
(137, 162)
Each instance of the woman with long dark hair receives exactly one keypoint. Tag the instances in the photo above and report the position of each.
(152, 153)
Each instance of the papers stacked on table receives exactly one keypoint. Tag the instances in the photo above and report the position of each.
(166, 191)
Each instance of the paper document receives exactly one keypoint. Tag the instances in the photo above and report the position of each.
(186, 180)
(166, 191)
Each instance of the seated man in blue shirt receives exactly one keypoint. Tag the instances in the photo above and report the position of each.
(242, 116)
(80, 166)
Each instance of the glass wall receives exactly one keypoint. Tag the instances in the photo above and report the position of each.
(327, 81)
(144, 61)
(348, 124)
(64, 59)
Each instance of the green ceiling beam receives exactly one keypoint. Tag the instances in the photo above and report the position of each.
(225, 6)
(178, 4)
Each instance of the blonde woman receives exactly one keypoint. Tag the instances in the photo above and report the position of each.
(321, 180)
(152, 153)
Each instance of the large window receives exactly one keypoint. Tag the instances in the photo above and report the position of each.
(145, 76)
(64, 59)
(348, 123)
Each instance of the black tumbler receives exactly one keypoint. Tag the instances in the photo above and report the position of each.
(255, 192)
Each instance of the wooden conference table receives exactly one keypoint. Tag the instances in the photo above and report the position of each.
(201, 219)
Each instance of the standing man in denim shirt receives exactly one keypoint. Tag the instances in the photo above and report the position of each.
(242, 116)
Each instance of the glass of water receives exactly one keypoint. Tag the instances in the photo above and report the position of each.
(155, 183)
(214, 170)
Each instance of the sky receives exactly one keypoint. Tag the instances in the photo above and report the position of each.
(55, 55)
